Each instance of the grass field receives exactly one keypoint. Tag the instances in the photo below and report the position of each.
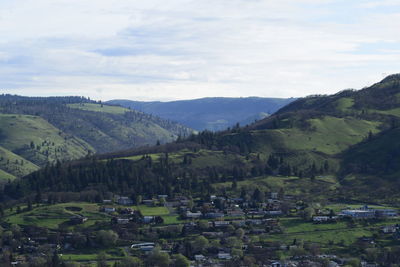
(152, 211)
(51, 216)
(172, 219)
(336, 233)
(90, 255)
(99, 108)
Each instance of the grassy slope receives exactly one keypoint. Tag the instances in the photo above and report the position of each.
(50, 144)
(99, 108)
(5, 176)
(13, 165)
(119, 134)
(330, 136)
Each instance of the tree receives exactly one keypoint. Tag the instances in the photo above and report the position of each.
(181, 261)
(131, 262)
(158, 258)
(158, 220)
(237, 252)
(257, 195)
(200, 243)
(239, 233)
(29, 205)
(233, 242)
(203, 225)
(102, 260)
(107, 238)
(55, 260)
(307, 213)
(38, 262)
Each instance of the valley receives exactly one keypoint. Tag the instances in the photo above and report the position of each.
(314, 184)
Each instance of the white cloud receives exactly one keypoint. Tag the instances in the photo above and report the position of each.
(180, 49)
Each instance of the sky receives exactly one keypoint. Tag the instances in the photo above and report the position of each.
(184, 49)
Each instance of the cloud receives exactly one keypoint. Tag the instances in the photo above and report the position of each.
(187, 49)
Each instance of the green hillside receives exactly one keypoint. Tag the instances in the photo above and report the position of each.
(35, 139)
(4, 176)
(37, 131)
(12, 165)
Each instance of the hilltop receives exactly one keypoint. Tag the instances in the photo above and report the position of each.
(213, 113)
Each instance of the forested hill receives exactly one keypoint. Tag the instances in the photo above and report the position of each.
(38, 130)
(343, 139)
(214, 113)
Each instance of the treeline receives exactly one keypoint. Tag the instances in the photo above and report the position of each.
(147, 177)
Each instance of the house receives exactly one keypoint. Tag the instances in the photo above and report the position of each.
(385, 213)
(138, 245)
(146, 248)
(274, 195)
(214, 215)
(108, 210)
(239, 223)
(193, 215)
(389, 229)
(271, 222)
(365, 213)
(235, 213)
(368, 264)
(173, 204)
(107, 201)
(127, 211)
(359, 214)
(122, 221)
(320, 219)
(254, 221)
(148, 202)
(274, 212)
(148, 219)
(275, 264)
(199, 257)
(125, 201)
(224, 256)
(257, 231)
(221, 223)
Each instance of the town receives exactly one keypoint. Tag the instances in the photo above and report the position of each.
(257, 229)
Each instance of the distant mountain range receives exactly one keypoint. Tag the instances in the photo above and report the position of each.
(216, 113)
